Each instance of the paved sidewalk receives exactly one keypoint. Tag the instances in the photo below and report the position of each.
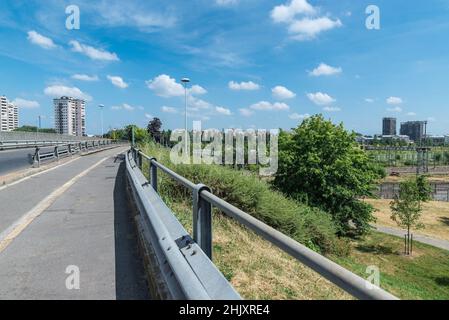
(442, 244)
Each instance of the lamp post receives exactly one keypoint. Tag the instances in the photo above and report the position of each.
(185, 81)
(101, 110)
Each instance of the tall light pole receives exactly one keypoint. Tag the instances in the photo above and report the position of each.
(185, 81)
(101, 110)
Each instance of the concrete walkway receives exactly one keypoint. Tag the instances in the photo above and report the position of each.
(74, 217)
(442, 244)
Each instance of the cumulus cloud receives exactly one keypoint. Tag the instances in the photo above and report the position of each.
(168, 109)
(285, 13)
(309, 28)
(325, 70)
(297, 116)
(282, 93)
(246, 112)
(118, 82)
(223, 111)
(85, 77)
(25, 104)
(268, 106)
(93, 53)
(197, 90)
(306, 27)
(40, 40)
(320, 98)
(243, 86)
(394, 100)
(57, 91)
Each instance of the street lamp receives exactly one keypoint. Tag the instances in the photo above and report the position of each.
(185, 81)
(101, 106)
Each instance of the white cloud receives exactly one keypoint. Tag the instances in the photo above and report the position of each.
(369, 100)
(223, 111)
(118, 82)
(309, 28)
(394, 100)
(40, 40)
(395, 109)
(243, 86)
(57, 91)
(169, 109)
(285, 13)
(25, 104)
(246, 112)
(411, 114)
(320, 98)
(297, 116)
(85, 77)
(331, 109)
(148, 116)
(93, 53)
(166, 87)
(267, 106)
(124, 106)
(282, 93)
(197, 90)
(325, 70)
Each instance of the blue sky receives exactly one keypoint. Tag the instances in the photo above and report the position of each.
(253, 63)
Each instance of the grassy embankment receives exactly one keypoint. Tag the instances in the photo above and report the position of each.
(260, 271)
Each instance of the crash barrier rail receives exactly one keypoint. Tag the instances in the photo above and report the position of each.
(65, 150)
(204, 199)
(182, 271)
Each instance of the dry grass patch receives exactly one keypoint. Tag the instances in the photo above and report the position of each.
(435, 217)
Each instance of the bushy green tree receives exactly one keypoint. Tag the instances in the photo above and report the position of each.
(321, 164)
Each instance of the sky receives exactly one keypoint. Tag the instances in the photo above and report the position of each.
(252, 63)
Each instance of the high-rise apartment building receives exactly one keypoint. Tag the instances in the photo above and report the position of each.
(414, 129)
(9, 115)
(70, 116)
(389, 126)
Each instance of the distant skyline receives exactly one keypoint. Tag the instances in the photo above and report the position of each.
(261, 64)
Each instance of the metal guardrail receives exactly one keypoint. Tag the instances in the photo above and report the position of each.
(65, 150)
(185, 270)
(204, 199)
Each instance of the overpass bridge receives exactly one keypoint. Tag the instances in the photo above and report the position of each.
(94, 227)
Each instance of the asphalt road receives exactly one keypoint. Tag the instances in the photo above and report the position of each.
(13, 160)
(72, 217)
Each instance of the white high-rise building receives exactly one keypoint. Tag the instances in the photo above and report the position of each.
(9, 115)
(70, 116)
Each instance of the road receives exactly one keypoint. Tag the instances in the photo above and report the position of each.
(13, 160)
(68, 219)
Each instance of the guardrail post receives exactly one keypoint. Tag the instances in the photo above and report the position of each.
(69, 146)
(202, 220)
(37, 157)
(56, 153)
(153, 174)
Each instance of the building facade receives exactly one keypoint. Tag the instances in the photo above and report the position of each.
(414, 129)
(9, 115)
(70, 116)
(389, 126)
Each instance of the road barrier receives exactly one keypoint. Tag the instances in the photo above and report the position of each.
(169, 236)
(65, 150)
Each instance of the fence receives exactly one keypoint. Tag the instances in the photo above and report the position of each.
(204, 199)
(440, 191)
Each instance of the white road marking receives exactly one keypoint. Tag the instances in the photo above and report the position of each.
(8, 236)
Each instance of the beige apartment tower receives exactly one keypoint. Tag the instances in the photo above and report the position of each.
(70, 116)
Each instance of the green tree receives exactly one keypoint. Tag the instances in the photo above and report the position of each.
(321, 164)
(154, 129)
(140, 135)
(406, 208)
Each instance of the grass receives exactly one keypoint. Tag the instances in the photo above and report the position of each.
(435, 217)
(425, 275)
